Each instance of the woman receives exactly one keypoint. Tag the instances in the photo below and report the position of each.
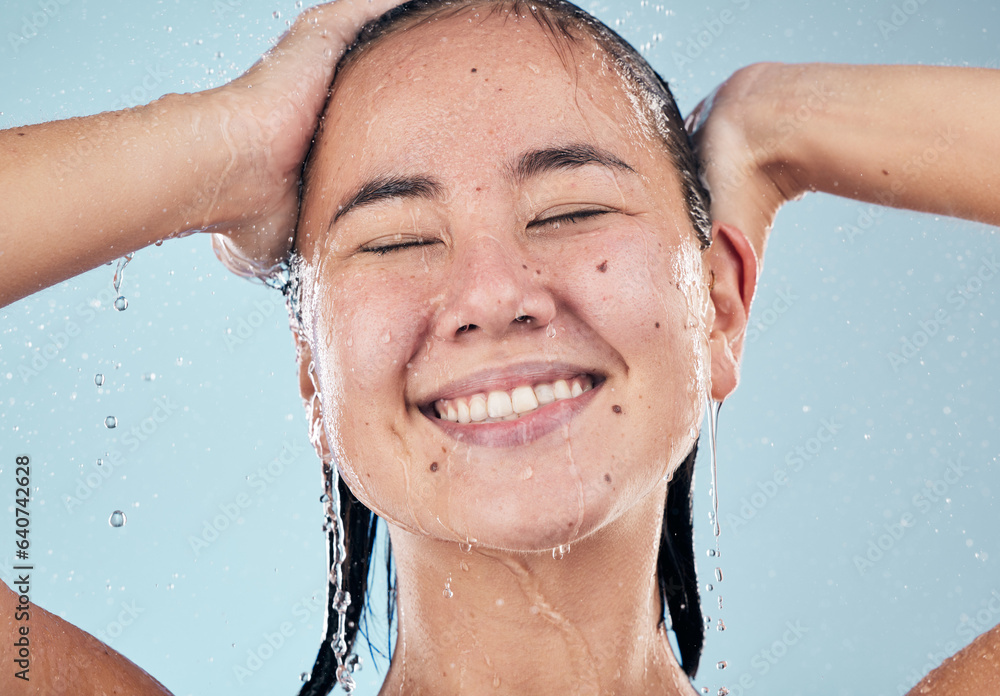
(472, 298)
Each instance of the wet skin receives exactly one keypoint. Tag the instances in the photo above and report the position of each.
(417, 296)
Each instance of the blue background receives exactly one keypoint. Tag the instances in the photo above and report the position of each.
(223, 405)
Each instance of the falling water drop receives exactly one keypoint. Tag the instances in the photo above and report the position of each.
(720, 601)
(721, 664)
(336, 632)
(709, 587)
(117, 519)
(704, 689)
(121, 304)
(723, 691)
(713, 427)
(100, 462)
(550, 331)
(465, 546)
(276, 14)
(111, 422)
(718, 574)
(304, 677)
(560, 551)
(713, 553)
(721, 626)
(99, 379)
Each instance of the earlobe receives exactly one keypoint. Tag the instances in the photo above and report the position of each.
(733, 265)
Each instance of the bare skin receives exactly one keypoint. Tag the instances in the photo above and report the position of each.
(826, 151)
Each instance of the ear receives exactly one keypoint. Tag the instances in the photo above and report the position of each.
(733, 266)
(309, 389)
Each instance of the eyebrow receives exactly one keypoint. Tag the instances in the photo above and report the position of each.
(529, 165)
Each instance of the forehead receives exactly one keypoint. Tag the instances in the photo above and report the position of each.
(467, 90)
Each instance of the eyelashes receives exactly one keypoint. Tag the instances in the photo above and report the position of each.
(555, 222)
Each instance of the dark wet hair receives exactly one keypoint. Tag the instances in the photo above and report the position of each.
(677, 579)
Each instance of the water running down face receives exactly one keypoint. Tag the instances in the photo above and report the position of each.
(491, 223)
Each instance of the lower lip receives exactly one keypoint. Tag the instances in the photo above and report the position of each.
(521, 431)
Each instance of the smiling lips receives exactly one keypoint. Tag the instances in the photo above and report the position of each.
(498, 406)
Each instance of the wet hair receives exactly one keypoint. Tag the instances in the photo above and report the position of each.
(675, 566)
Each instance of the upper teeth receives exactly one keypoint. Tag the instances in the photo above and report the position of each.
(497, 406)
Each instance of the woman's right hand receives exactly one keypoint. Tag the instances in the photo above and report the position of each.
(268, 117)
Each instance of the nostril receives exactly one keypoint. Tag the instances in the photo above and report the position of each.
(467, 327)
(523, 319)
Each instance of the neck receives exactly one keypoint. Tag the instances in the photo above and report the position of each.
(487, 621)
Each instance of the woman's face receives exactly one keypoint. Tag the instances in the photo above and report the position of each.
(489, 214)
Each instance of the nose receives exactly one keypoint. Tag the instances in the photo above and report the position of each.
(493, 290)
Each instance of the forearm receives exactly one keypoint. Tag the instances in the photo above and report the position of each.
(84, 191)
(919, 137)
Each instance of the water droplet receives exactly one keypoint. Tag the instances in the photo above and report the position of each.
(298, 4)
(720, 601)
(721, 626)
(304, 677)
(712, 553)
(350, 341)
(354, 663)
(448, 593)
(342, 600)
(158, 242)
(463, 565)
(496, 681)
(559, 552)
(550, 331)
(718, 574)
(100, 462)
(276, 14)
(111, 422)
(149, 376)
(98, 379)
(117, 519)
(704, 689)
(387, 337)
(324, 498)
(721, 664)
(465, 546)
(709, 587)
(723, 691)
(121, 304)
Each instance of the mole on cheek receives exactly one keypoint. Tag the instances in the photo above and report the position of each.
(607, 477)
(434, 466)
(603, 268)
(657, 324)
(616, 408)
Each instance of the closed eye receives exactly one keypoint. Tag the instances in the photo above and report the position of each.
(383, 249)
(569, 218)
